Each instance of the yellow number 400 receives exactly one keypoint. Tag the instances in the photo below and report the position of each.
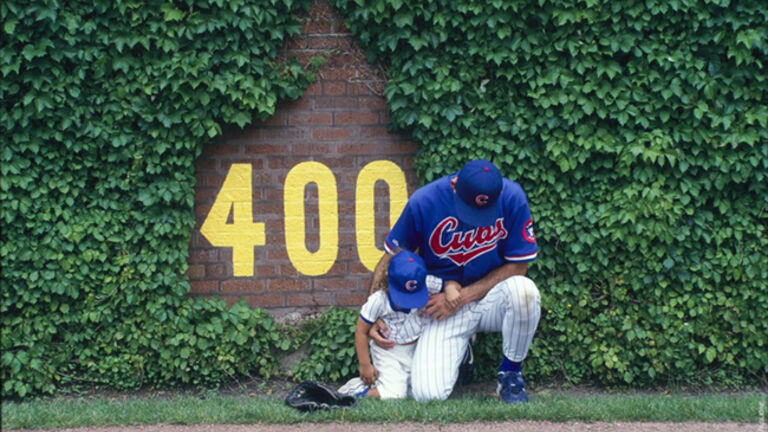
(242, 235)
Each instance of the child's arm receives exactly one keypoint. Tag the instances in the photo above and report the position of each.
(367, 372)
(452, 292)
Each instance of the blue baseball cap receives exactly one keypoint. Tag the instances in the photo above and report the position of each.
(407, 280)
(478, 186)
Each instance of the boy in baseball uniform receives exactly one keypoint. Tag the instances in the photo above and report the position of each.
(385, 373)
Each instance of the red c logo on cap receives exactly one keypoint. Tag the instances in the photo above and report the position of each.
(411, 285)
(481, 200)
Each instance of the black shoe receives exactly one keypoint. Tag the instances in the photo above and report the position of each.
(467, 366)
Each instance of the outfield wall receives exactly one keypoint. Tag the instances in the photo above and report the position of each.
(325, 161)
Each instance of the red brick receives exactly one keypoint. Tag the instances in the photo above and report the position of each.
(265, 300)
(215, 271)
(339, 268)
(346, 195)
(196, 272)
(274, 225)
(230, 300)
(311, 119)
(299, 104)
(242, 286)
(283, 134)
(213, 180)
(226, 150)
(347, 254)
(288, 270)
(334, 88)
(282, 285)
(285, 163)
(269, 208)
(265, 149)
(331, 133)
(225, 254)
(336, 164)
(273, 194)
(339, 27)
(356, 118)
(375, 132)
(345, 59)
(310, 27)
(357, 268)
(314, 89)
(336, 102)
(312, 148)
(277, 119)
(340, 73)
(205, 165)
(204, 256)
(398, 148)
(336, 284)
(277, 253)
(205, 195)
(350, 299)
(328, 41)
(297, 42)
(265, 271)
(306, 299)
(203, 286)
(372, 102)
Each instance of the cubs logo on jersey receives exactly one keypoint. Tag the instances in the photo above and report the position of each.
(528, 234)
(462, 247)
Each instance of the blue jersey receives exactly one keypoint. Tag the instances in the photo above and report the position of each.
(457, 251)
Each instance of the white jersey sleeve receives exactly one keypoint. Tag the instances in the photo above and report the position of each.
(374, 307)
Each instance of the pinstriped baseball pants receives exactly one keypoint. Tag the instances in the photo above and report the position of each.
(512, 307)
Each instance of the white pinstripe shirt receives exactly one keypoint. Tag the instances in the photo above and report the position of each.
(403, 327)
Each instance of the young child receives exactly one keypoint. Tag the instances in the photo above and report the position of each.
(385, 373)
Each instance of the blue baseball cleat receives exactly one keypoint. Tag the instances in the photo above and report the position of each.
(511, 387)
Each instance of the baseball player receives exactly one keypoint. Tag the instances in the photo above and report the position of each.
(473, 227)
(399, 305)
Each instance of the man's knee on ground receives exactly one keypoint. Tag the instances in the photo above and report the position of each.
(427, 393)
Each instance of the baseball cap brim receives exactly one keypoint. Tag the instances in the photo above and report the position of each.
(475, 216)
(412, 300)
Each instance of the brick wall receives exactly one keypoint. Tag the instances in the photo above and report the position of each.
(339, 122)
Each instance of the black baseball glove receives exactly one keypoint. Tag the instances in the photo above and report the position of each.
(312, 395)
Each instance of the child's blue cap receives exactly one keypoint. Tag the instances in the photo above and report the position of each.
(478, 186)
(407, 280)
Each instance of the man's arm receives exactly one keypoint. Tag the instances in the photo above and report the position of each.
(479, 289)
(439, 309)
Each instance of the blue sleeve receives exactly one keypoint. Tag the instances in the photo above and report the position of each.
(520, 244)
(405, 234)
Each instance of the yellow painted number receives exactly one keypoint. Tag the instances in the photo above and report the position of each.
(391, 174)
(306, 262)
(243, 234)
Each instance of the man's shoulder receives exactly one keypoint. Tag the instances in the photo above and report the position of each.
(432, 190)
(512, 190)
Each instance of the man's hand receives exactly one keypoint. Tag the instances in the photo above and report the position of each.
(379, 332)
(438, 308)
(368, 374)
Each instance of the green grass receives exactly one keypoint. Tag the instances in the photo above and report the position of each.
(68, 412)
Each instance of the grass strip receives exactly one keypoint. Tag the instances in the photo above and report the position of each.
(68, 412)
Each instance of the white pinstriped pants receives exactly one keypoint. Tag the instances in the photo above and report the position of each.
(512, 307)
